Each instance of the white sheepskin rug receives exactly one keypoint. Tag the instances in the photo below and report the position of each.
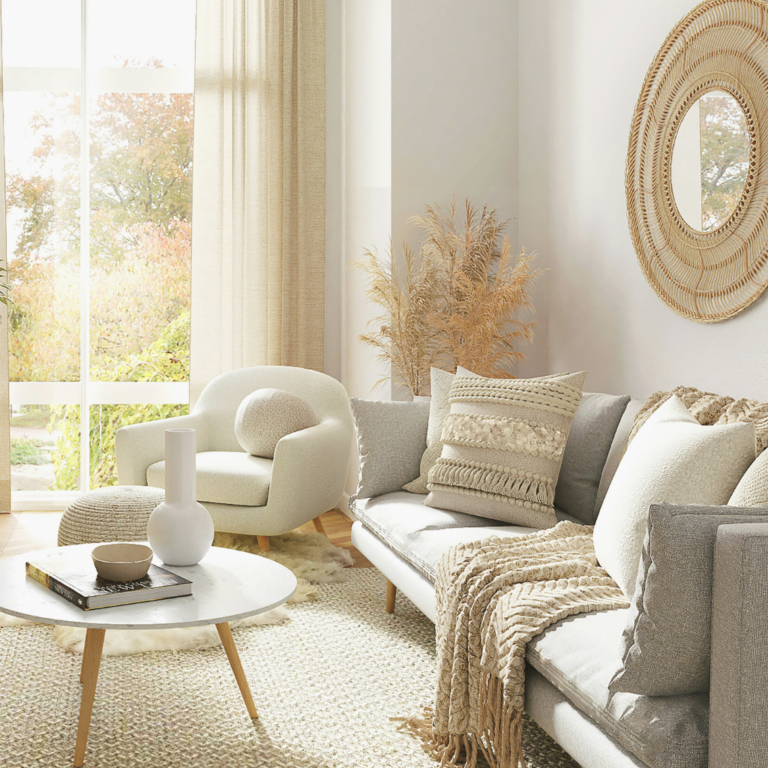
(310, 556)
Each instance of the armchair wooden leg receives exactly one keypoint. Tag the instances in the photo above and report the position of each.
(319, 525)
(263, 543)
(391, 593)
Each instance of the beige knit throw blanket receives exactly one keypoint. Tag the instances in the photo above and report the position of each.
(493, 597)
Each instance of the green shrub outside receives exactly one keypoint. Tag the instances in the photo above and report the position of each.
(167, 359)
(26, 450)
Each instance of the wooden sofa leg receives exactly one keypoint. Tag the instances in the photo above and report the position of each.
(319, 525)
(263, 543)
(391, 593)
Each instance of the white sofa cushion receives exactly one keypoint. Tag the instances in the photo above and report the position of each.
(421, 534)
(675, 459)
(225, 477)
(580, 654)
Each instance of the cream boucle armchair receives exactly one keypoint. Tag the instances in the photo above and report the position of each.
(243, 493)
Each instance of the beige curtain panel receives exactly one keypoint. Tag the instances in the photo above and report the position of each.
(5, 407)
(258, 212)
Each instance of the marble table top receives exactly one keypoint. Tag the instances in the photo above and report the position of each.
(226, 585)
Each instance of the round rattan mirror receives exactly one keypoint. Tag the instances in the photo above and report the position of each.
(710, 262)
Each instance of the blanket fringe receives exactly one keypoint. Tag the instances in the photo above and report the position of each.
(500, 738)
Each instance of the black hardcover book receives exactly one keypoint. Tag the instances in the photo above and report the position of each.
(74, 578)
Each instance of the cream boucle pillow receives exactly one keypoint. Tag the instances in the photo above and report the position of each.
(672, 459)
(752, 490)
(440, 386)
(503, 444)
(268, 414)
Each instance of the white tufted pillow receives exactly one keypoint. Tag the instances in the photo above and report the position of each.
(268, 414)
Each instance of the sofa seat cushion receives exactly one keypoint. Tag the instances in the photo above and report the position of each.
(225, 477)
(421, 534)
(579, 656)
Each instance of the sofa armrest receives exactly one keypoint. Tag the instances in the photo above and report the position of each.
(138, 446)
(309, 472)
(738, 737)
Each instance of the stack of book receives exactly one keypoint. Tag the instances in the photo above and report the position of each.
(75, 579)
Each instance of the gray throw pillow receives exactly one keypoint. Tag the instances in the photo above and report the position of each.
(589, 442)
(618, 447)
(667, 639)
(391, 439)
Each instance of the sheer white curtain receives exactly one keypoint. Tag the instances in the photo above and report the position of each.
(5, 408)
(258, 212)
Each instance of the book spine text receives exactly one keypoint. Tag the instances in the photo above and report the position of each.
(49, 582)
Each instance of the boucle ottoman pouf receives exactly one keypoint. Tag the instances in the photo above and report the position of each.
(119, 513)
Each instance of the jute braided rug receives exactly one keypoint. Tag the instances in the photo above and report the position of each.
(326, 684)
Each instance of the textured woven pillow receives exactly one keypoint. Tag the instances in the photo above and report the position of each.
(675, 459)
(439, 406)
(667, 638)
(391, 438)
(752, 490)
(503, 444)
(268, 414)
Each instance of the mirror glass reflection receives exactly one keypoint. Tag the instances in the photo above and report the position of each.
(710, 161)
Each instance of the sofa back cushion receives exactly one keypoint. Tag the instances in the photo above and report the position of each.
(586, 451)
(391, 439)
(618, 447)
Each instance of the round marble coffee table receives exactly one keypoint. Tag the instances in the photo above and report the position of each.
(227, 585)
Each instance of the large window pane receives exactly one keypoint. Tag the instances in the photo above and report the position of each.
(140, 236)
(42, 139)
(116, 250)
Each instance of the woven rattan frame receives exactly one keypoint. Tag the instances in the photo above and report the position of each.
(722, 45)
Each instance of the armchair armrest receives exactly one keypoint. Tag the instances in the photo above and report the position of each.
(138, 446)
(308, 474)
(738, 698)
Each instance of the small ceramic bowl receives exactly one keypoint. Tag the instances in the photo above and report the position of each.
(122, 561)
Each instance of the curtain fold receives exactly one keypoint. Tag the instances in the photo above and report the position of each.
(5, 407)
(258, 186)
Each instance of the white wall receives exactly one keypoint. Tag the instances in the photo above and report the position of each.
(582, 63)
(454, 108)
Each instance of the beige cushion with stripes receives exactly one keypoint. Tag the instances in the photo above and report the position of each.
(503, 444)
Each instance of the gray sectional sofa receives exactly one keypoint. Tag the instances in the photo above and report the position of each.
(572, 662)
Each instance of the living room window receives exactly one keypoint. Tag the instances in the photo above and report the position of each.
(98, 125)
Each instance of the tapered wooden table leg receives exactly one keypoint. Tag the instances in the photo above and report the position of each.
(94, 642)
(88, 639)
(318, 525)
(225, 633)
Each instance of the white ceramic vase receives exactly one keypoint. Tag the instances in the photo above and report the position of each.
(180, 530)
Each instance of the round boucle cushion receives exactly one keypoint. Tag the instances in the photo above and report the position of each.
(119, 513)
(268, 414)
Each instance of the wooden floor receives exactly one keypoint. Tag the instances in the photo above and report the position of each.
(22, 532)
